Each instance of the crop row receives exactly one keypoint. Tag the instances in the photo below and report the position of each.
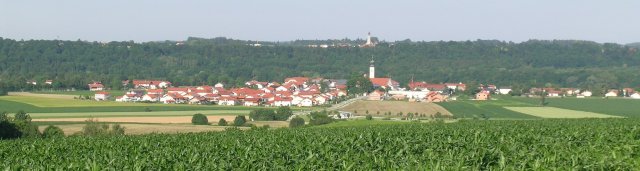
(592, 144)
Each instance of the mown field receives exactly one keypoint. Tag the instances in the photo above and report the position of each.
(554, 112)
(32, 104)
(614, 106)
(494, 109)
(609, 144)
(378, 108)
(113, 93)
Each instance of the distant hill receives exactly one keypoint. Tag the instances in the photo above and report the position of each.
(197, 61)
(636, 44)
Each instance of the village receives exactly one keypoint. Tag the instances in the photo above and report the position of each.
(308, 92)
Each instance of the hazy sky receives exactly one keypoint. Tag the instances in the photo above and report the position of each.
(271, 20)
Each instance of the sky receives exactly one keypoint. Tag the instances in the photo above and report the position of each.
(612, 21)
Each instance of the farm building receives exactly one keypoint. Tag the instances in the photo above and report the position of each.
(100, 96)
(483, 95)
(375, 95)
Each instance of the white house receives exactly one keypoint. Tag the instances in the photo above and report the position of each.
(282, 101)
(320, 100)
(306, 103)
(296, 100)
(586, 93)
(151, 98)
(100, 96)
(282, 88)
(227, 101)
(635, 96)
(219, 85)
(504, 90)
(611, 94)
(411, 94)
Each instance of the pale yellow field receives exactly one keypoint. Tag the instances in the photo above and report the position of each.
(395, 107)
(159, 119)
(136, 114)
(136, 129)
(552, 112)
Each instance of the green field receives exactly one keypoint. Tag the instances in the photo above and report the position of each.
(614, 106)
(577, 144)
(67, 107)
(553, 112)
(493, 109)
(113, 93)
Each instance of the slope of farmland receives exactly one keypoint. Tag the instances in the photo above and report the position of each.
(609, 144)
(613, 106)
(381, 107)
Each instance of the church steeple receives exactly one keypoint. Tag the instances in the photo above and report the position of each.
(372, 69)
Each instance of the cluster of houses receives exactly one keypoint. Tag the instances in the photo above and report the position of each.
(486, 91)
(294, 91)
(416, 91)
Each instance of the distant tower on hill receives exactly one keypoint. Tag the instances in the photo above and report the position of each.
(372, 69)
(370, 42)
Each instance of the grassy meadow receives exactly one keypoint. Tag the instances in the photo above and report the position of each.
(113, 93)
(612, 106)
(493, 109)
(577, 108)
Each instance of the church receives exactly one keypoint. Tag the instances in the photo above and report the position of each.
(386, 83)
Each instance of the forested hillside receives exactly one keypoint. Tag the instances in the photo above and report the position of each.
(207, 61)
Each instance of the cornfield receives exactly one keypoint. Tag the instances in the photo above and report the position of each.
(583, 144)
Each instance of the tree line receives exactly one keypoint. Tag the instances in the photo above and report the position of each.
(197, 61)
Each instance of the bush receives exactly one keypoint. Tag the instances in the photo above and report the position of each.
(22, 122)
(199, 119)
(116, 129)
(240, 120)
(319, 118)
(262, 115)
(22, 116)
(222, 122)
(95, 128)
(9, 130)
(369, 117)
(283, 113)
(52, 132)
(296, 122)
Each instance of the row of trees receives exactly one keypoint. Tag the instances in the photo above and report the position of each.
(20, 126)
(264, 114)
(73, 64)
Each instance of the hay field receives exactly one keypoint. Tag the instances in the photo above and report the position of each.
(553, 112)
(137, 129)
(137, 114)
(394, 107)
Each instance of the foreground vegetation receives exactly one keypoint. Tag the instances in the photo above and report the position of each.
(609, 144)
